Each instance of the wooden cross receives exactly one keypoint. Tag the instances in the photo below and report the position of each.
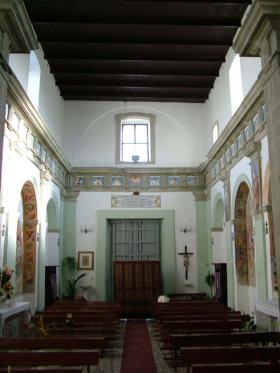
(186, 255)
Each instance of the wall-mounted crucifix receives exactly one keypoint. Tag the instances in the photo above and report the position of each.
(186, 255)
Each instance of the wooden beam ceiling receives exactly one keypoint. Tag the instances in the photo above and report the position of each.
(138, 50)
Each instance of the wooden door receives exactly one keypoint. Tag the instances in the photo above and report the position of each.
(136, 286)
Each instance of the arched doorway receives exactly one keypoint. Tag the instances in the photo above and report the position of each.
(269, 230)
(51, 254)
(26, 249)
(244, 249)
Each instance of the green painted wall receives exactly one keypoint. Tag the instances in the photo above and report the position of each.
(203, 239)
(68, 241)
(260, 260)
(103, 250)
(69, 228)
(230, 264)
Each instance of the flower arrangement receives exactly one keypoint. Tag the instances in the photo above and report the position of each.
(6, 287)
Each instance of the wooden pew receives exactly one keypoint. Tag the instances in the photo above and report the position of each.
(187, 296)
(48, 358)
(176, 341)
(230, 354)
(193, 325)
(261, 367)
(27, 343)
(44, 370)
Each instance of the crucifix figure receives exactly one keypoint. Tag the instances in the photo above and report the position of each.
(186, 255)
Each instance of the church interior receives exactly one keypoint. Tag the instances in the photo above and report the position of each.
(139, 174)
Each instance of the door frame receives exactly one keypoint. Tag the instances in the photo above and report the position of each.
(103, 250)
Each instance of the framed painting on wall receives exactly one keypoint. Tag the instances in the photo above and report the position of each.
(85, 260)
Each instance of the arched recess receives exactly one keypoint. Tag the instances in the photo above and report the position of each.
(29, 241)
(51, 254)
(218, 238)
(244, 248)
(269, 230)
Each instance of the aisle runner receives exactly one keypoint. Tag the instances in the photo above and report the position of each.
(137, 349)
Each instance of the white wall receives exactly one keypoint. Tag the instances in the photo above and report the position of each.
(19, 63)
(89, 132)
(182, 203)
(219, 105)
(49, 103)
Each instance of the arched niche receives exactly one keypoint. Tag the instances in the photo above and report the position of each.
(269, 230)
(29, 208)
(244, 247)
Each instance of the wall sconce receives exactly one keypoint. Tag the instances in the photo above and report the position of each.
(3, 230)
(85, 229)
(184, 228)
(266, 227)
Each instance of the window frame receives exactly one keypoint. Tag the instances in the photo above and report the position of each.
(216, 124)
(119, 118)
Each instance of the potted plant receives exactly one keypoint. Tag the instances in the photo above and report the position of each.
(69, 269)
(210, 281)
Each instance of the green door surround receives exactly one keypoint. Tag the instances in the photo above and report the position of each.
(103, 249)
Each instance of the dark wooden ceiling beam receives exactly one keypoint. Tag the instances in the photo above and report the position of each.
(134, 67)
(194, 92)
(185, 99)
(159, 52)
(110, 11)
(64, 79)
(116, 33)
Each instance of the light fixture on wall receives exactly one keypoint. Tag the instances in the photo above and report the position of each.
(3, 230)
(185, 228)
(85, 229)
(266, 227)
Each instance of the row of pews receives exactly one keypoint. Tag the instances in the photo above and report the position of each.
(73, 337)
(203, 336)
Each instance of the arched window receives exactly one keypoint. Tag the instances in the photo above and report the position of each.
(215, 132)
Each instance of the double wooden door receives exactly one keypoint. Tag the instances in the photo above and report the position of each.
(136, 286)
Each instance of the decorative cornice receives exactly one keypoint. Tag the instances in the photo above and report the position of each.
(14, 21)
(18, 98)
(259, 22)
(247, 109)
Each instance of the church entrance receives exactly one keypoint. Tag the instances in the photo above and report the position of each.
(136, 265)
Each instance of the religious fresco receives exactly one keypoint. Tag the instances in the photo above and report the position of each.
(135, 181)
(255, 172)
(97, 180)
(241, 259)
(154, 181)
(19, 251)
(244, 270)
(29, 237)
(250, 243)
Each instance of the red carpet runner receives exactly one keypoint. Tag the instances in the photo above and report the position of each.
(137, 349)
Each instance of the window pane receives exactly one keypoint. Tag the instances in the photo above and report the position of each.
(132, 120)
(141, 133)
(128, 133)
(215, 133)
(141, 150)
(128, 152)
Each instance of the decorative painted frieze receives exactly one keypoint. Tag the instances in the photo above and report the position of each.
(116, 179)
(30, 144)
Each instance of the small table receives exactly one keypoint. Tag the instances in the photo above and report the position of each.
(13, 310)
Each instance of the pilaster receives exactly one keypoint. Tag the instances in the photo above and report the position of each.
(203, 238)
(260, 36)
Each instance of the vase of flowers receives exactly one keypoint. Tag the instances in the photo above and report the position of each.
(6, 287)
